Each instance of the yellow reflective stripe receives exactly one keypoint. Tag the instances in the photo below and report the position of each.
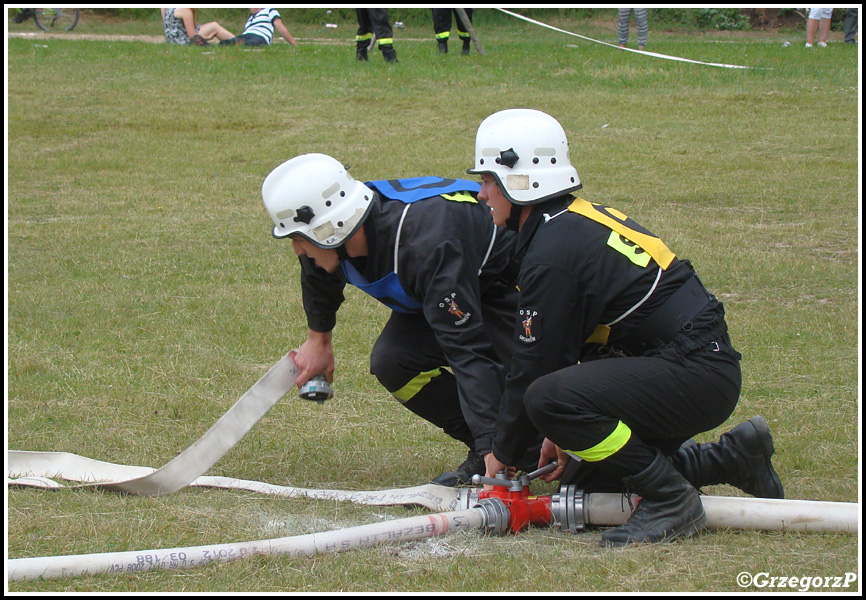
(361, 38)
(607, 447)
(460, 197)
(443, 36)
(648, 243)
(386, 41)
(633, 252)
(408, 391)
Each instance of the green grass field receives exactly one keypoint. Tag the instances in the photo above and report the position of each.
(145, 293)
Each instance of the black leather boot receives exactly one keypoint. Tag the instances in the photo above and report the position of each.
(361, 49)
(740, 458)
(669, 507)
(462, 475)
(388, 52)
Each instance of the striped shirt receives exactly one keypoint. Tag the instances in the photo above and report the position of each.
(262, 23)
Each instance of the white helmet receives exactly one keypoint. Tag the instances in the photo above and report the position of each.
(313, 196)
(527, 151)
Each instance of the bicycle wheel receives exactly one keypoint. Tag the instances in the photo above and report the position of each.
(56, 19)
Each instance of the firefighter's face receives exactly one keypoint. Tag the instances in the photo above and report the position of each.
(323, 257)
(491, 194)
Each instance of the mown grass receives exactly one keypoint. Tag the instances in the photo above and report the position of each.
(145, 294)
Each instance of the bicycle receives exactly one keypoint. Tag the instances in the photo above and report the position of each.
(53, 20)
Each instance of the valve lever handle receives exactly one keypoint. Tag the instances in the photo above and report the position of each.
(548, 468)
(501, 481)
(481, 480)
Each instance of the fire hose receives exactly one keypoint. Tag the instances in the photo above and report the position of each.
(506, 506)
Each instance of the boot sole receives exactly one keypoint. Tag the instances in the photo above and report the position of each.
(692, 529)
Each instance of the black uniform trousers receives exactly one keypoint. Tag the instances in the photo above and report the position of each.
(442, 21)
(374, 20)
(663, 400)
(407, 352)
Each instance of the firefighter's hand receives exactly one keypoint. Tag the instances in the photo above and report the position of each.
(549, 452)
(313, 357)
(493, 467)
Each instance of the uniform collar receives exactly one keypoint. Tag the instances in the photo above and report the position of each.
(539, 214)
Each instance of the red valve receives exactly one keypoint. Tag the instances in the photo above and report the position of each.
(524, 509)
(508, 505)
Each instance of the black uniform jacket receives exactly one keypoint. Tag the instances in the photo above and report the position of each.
(443, 244)
(575, 274)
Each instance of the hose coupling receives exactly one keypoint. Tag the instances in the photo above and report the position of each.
(567, 509)
(496, 516)
(317, 389)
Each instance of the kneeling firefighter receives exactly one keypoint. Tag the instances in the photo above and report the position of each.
(427, 249)
(621, 355)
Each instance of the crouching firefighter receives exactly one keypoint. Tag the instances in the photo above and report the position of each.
(427, 249)
(620, 355)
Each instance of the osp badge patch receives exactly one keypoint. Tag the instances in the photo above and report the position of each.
(453, 308)
(530, 322)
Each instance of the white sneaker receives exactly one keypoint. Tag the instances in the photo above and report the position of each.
(822, 44)
(808, 45)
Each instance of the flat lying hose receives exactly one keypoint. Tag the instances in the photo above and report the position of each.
(219, 439)
(179, 472)
(38, 469)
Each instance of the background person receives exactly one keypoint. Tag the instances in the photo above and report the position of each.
(850, 26)
(640, 18)
(259, 29)
(818, 23)
(442, 29)
(179, 25)
(374, 21)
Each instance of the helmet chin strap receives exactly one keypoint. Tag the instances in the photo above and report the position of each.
(512, 223)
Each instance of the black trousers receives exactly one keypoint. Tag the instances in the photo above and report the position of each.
(374, 20)
(618, 412)
(442, 21)
(851, 25)
(407, 351)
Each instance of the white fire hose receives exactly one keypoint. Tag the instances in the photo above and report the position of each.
(411, 528)
(571, 509)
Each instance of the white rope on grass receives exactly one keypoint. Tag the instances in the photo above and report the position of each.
(644, 52)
